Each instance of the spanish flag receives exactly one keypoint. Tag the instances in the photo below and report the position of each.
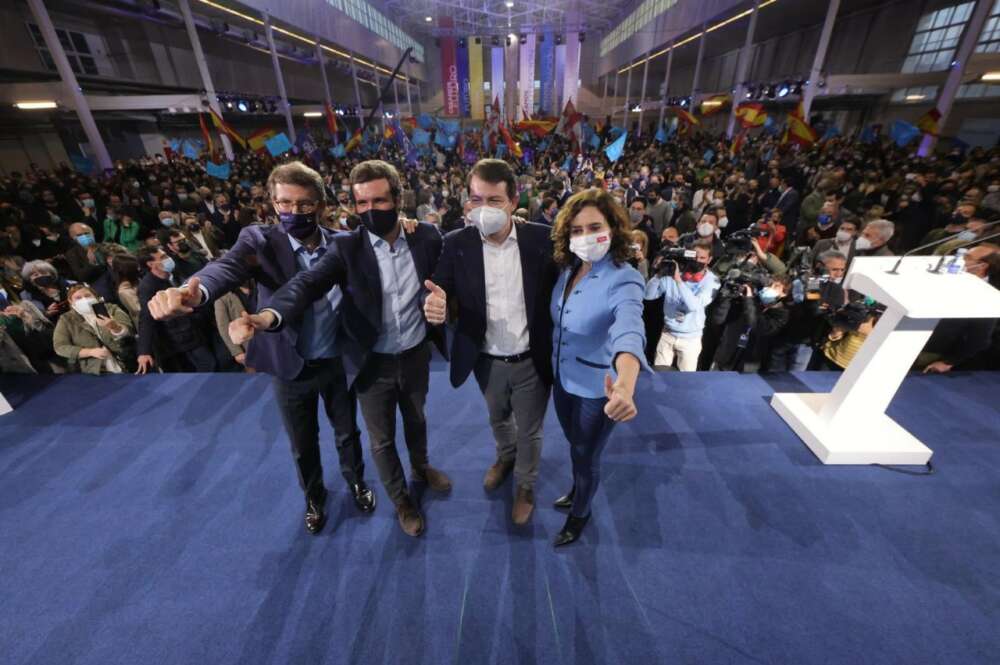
(928, 123)
(798, 130)
(512, 145)
(714, 104)
(224, 128)
(686, 117)
(354, 142)
(751, 115)
(205, 134)
(737, 144)
(257, 140)
(331, 121)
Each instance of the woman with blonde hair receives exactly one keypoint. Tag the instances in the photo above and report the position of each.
(598, 332)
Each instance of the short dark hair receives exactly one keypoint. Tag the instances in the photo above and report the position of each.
(147, 254)
(707, 245)
(548, 202)
(376, 169)
(495, 171)
(295, 173)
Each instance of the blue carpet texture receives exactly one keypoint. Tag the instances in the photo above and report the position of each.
(157, 520)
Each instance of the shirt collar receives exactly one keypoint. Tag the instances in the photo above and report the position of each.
(378, 241)
(296, 245)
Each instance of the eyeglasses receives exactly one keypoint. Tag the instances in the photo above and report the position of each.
(298, 206)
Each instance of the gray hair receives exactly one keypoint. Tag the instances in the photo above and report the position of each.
(43, 267)
(884, 227)
(832, 254)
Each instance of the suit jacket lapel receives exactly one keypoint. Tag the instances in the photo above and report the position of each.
(471, 258)
(279, 244)
(369, 272)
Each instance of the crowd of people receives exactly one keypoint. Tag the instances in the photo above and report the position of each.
(769, 234)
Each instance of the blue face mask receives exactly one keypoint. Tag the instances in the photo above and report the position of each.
(85, 240)
(768, 296)
(824, 220)
(167, 221)
(167, 265)
(966, 236)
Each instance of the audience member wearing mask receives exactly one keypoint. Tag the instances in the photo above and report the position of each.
(84, 263)
(750, 323)
(94, 343)
(842, 241)
(874, 240)
(45, 288)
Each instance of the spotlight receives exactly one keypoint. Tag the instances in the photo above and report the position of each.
(428, 19)
(242, 106)
(784, 89)
(511, 37)
(685, 101)
(509, 4)
(749, 92)
(229, 104)
(770, 91)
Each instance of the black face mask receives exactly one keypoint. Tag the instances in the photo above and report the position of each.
(45, 281)
(183, 247)
(380, 222)
(299, 225)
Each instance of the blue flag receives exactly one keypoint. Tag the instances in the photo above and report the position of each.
(421, 137)
(425, 121)
(220, 171)
(278, 144)
(82, 164)
(448, 126)
(709, 154)
(338, 150)
(615, 150)
(616, 132)
(189, 150)
(595, 141)
(868, 135)
(903, 133)
(567, 163)
(771, 125)
(661, 135)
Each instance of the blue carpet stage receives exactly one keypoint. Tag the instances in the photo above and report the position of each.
(157, 520)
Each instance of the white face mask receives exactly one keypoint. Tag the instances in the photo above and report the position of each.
(844, 237)
(705, 230)
(723, 222)
(591, 248)
(487, 219)
(84, 306)
(863, 244)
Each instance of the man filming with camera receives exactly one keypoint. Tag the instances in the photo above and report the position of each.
(751, 314)
(687, 286)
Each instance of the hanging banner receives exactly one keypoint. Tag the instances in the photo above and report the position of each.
(462, 60)
(557, 85)
(496, 76)
(572, 71)
(526, 78)
(546, 69)
(477, 102)
(449, 71)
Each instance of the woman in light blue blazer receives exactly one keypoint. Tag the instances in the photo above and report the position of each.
(598, 330)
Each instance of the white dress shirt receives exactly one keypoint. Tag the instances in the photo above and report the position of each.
(506, 314)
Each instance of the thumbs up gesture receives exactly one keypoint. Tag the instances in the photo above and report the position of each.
(173, 302)
(241, 330)
(436, 303)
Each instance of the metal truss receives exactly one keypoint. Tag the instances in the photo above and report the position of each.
(493, 17)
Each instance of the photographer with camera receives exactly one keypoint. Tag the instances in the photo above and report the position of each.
(849, 328)
(816, 294)
(687, 287)
(746, 247)
(751, 313)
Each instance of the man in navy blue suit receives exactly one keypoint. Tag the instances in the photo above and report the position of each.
(306, 358)
(384, 275)
(501, 275)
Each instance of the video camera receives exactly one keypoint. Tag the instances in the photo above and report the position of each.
(746, 274)
(672, 258)
(739, 242)
(853, 314)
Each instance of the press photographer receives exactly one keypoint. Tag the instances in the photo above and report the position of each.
(751, 314)
(687, 287)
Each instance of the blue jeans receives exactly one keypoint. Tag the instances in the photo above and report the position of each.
(587, 429)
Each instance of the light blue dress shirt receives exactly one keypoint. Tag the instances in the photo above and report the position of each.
(318, 335)
(684, 304)
(403, 324)
(601, 317)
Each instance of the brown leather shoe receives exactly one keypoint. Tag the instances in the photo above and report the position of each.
(435, 479)
(524, 506)
(496, 474)
(410, 519)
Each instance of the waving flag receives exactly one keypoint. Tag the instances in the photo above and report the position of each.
(354, 142)
(737, 144)
(511, 144)
(258, 140)
(661, 135)
(331, 122)
(224, 128)
(568, 121)
(615, 150)
(751, 115)
(205, 134)
(798, 129)
(903, 133)
(929, 123)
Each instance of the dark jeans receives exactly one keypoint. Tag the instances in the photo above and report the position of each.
(298, 402)
(389, 381)
(587, 429)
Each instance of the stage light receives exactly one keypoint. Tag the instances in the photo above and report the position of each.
(784, 89)
(35, 106)
(636, 108)
(509, 4)
(242, 106)
(229, 104)
(749, 92)
(990, 76)
(313, 114)
(428, 19)
(915, 98)
(511, 37)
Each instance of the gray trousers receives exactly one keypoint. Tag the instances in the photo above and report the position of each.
(516, 398)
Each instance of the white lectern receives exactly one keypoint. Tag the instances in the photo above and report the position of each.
(4, 405)
(849, 425)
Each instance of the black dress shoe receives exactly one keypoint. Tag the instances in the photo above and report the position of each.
(571, 530)
(315, 512)
(364, 497)
(566, 501)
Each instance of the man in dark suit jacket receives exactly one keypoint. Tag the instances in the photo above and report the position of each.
(383, 273)
(305, 359)
(500, 275)
(789, 204)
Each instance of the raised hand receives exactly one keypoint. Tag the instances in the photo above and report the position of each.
(241, 330)
(436, 303)
(173, 302)
(620, 406)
